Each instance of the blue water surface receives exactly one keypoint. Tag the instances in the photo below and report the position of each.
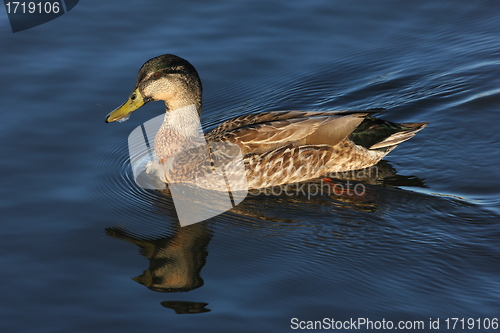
(76, 228)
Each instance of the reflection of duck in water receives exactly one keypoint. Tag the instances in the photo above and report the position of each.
(184, 307)
(278, 147)
(174, 262)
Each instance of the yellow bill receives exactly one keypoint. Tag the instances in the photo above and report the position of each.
(135, 101)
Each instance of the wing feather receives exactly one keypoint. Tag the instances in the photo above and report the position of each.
(267, 131)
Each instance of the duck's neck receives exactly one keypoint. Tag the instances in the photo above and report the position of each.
(184, 100)
(180, 130)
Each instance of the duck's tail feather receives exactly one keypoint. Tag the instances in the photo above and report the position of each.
(408, 131)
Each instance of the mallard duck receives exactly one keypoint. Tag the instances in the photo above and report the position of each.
(277, 147)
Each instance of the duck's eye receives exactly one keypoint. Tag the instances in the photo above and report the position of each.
(157, 75)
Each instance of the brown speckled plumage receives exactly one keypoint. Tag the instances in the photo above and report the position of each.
(277, 147)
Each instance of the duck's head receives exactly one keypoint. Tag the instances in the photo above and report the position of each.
(167, 78)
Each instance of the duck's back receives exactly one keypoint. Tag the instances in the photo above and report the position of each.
(282, 147)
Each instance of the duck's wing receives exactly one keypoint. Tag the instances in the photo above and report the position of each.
(267, 131)
(264, 117)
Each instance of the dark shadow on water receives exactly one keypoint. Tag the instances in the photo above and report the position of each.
(183, 307)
